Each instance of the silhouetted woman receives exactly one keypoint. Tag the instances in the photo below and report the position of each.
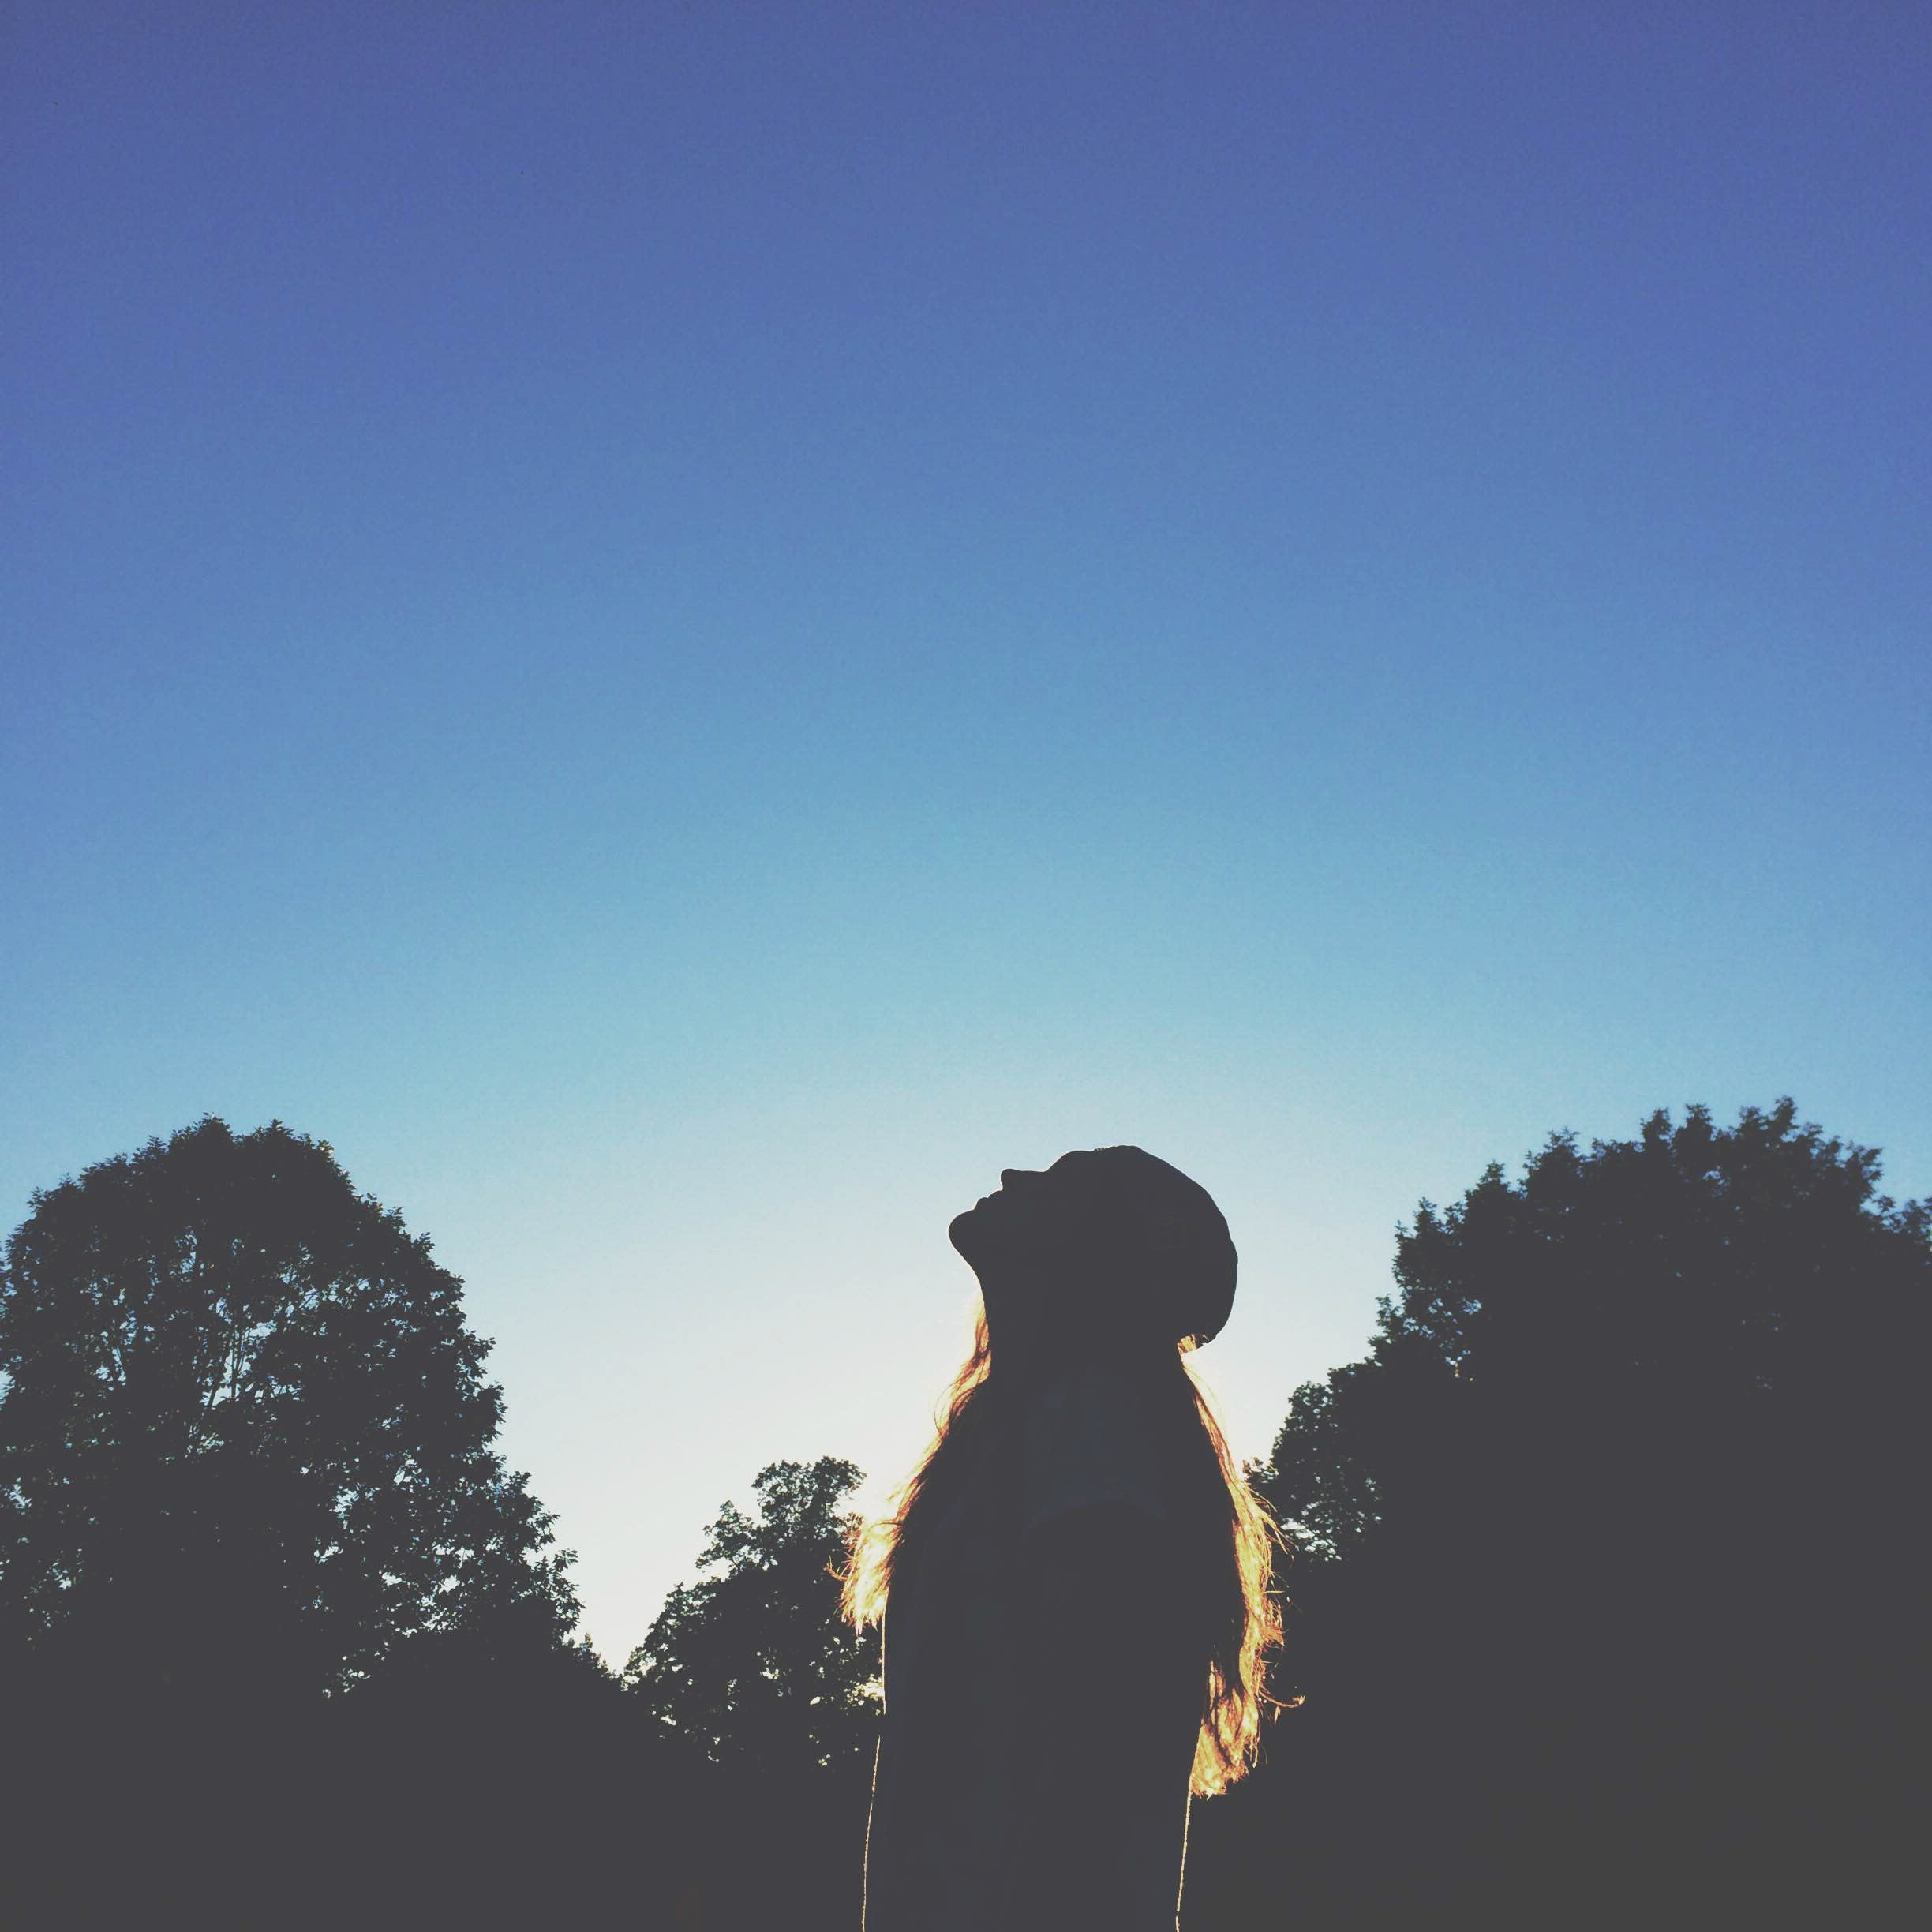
(1074, 1584)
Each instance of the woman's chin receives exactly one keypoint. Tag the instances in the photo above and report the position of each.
(967, 1233)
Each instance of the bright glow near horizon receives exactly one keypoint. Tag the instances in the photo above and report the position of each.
(687, 631)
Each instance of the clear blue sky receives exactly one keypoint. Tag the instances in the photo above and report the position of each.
(687, 628)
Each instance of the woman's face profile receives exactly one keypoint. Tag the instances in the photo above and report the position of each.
(1034, 1243)
(1036, 1218)
(1102, 1237)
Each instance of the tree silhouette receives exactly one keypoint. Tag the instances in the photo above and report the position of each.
(755, 1665)
(1605, 1604)
(244, 1435)
(753, 1675)
(1603, 1594)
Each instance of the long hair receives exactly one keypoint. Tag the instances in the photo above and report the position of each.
(1243, 1617)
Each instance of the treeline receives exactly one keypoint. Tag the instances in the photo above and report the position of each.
(1603, 1601)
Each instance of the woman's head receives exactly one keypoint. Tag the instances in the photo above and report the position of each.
(1107, 1245)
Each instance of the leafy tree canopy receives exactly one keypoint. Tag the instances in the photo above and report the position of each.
(753, 1664)
(244, 1429)
(1666, 1306)
(1606, 1549)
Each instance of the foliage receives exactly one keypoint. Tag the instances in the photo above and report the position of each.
(244, 1434)
(1664, 1311)
(754, 1664)
(1605, 1607)
(1604, 1562)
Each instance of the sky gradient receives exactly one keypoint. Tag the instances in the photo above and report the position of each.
(686, 629)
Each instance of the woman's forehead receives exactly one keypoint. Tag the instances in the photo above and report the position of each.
(1079, 1173)
(1082, 1163)
(1112, 1164)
